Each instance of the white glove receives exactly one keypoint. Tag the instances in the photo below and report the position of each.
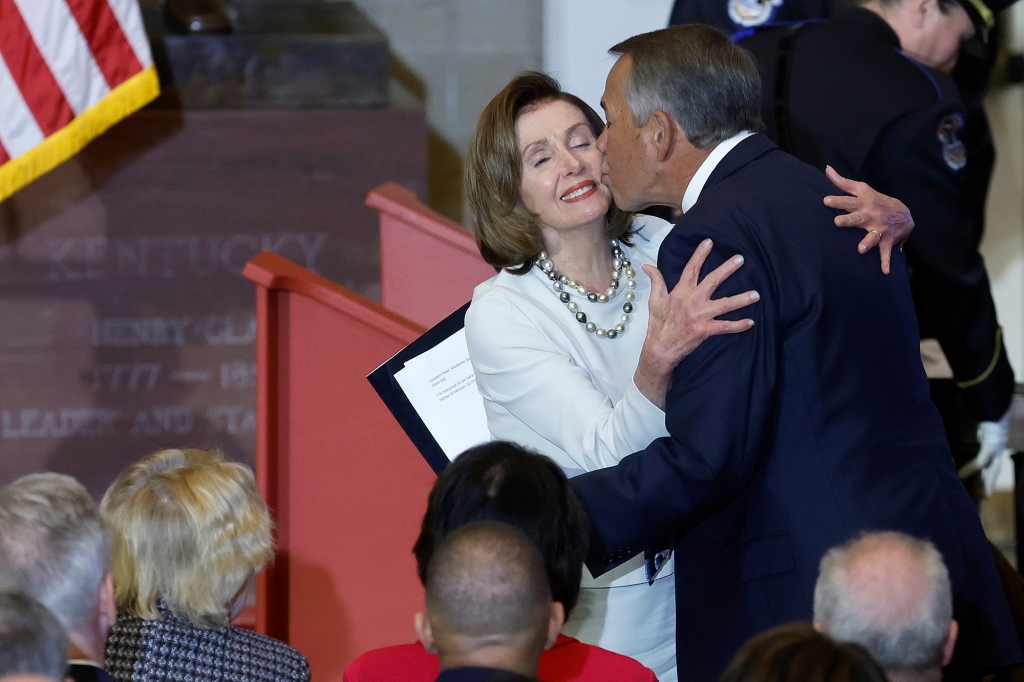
(992, 437)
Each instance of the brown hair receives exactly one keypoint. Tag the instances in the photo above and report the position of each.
(507, 233)
(799, 653)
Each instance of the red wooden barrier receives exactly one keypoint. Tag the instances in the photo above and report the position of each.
(428, 264)
(346, 486)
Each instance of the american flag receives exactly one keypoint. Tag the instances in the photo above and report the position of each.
(69, 69)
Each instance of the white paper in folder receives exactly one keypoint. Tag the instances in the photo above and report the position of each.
(441, 386)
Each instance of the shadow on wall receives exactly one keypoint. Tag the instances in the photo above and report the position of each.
(444, 163)
(80, 176)
(326, 641)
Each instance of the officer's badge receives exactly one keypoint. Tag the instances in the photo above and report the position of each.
(953, 151)
(748, 13)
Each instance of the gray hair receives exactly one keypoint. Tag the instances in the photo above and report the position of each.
(903, 621)
(32, 640)
(54, 546)
(694, 73)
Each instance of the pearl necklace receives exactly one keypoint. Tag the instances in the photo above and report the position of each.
(563, 285)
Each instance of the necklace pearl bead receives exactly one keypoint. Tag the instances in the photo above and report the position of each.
(560, 283)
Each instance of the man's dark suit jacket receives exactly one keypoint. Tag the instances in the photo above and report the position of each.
(481, 675)
(82, 672)
(791, 437)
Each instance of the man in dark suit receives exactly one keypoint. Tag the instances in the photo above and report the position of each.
(795, 435)
(489, 612)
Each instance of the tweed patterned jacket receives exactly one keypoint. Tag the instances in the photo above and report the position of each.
(174, 650)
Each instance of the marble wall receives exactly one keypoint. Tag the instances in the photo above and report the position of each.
(455, 55)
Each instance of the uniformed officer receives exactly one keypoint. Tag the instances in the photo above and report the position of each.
(869, 94)
(737, 16)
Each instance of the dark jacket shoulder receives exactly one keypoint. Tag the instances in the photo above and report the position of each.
(847, 76)
(85, 672)
(481, 675)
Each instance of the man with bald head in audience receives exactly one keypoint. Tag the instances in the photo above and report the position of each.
(55, 547)
(489, 612)
(890, 593)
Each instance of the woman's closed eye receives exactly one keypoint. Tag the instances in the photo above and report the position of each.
(580, 141)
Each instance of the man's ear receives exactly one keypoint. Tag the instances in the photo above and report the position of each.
(424, 632)
(555, 623)
(920, 10)
(105, 605)
(661, 132)
(950, 645)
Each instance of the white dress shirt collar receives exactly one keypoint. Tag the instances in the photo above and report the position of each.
(696, 185)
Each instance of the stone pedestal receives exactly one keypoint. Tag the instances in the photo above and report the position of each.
(298, 54)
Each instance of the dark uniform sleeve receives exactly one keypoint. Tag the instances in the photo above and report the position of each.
(921, 160)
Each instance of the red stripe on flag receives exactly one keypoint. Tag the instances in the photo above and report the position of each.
(109, 46)
(4, 156)
(31, 74)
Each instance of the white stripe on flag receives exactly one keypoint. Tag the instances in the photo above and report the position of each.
(19, 131)
(59, 39)
(130, 18)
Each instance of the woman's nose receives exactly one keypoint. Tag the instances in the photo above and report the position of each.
(573, 163)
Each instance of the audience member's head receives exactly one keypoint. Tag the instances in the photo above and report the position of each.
(190, 529)
(500, 481)
(55, 547)
(799, 653)
(890, 593)
(32, 640)
(488, 602)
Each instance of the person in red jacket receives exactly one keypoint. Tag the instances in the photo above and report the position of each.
(501, 481)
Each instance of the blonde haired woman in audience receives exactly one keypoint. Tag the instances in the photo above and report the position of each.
(190, 533)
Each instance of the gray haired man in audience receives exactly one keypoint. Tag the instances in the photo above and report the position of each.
(33, 645)
(489, 613)
(890, 593)
(55, 547)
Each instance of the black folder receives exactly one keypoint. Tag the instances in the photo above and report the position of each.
(383, 381)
